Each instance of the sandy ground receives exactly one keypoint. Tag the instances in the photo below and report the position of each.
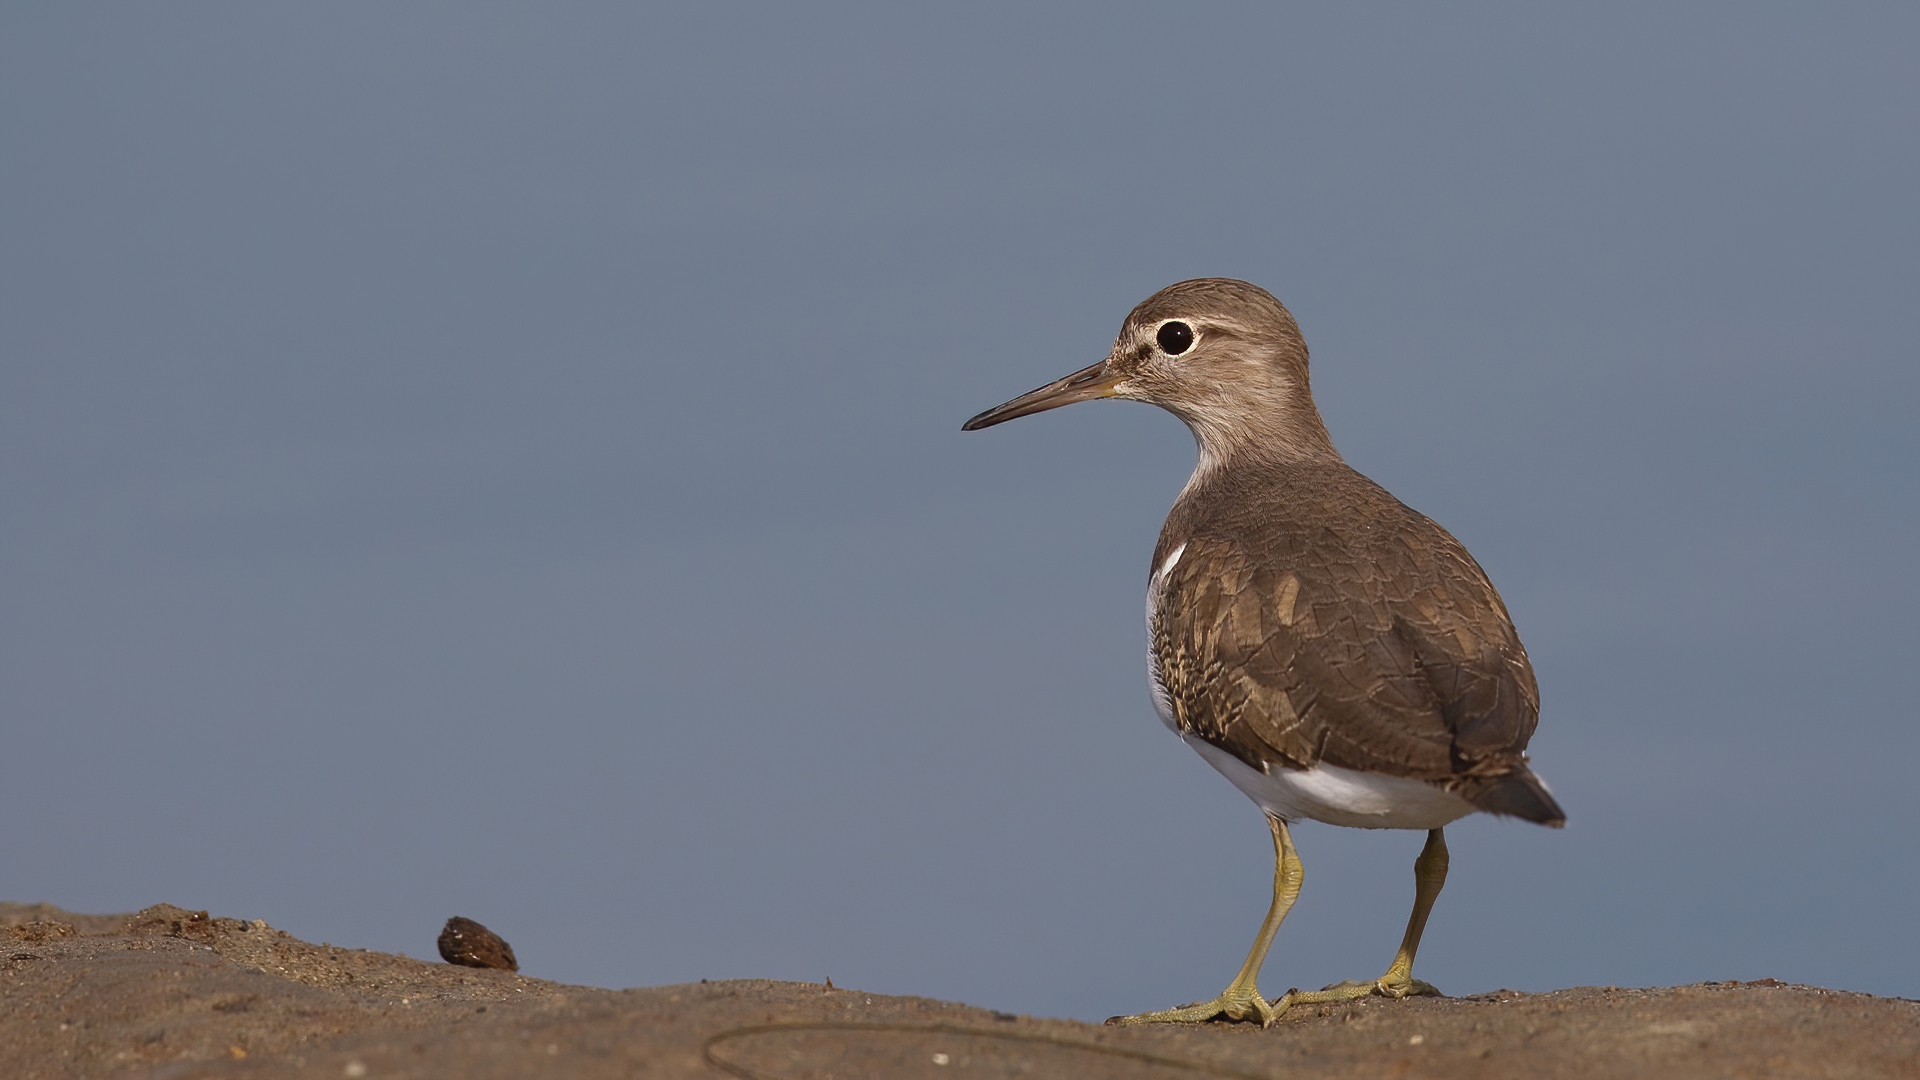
(170, 993)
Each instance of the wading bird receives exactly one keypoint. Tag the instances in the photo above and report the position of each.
(1335, 654)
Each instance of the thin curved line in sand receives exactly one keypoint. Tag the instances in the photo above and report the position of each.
(707, 1048)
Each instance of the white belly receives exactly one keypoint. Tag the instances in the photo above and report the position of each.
(1339, 796)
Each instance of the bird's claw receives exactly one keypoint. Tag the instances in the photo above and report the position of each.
(1405, 988)
(1387, 986)
(1236, 1004)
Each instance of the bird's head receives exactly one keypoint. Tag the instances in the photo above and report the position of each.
(1222, 355)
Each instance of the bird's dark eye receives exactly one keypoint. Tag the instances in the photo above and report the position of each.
(1174, 338)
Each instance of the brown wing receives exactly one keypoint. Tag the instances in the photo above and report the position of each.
(1392, 656)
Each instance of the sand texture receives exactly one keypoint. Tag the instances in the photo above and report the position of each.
(171, 993)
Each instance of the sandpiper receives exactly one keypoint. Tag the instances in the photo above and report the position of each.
(1335, 654)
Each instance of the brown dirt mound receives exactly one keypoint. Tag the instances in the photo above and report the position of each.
(171, 993)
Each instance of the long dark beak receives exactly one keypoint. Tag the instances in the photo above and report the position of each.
(1084, 385)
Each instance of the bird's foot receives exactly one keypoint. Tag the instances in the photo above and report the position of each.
(1391, 985)
(1405, 988)
(1234, 1003)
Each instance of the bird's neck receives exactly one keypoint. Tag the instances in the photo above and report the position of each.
(1287, 435)
(1231, 466)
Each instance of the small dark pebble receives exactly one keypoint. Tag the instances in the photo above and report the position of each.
(469, 944)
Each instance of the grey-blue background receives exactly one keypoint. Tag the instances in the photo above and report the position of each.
(504, 461)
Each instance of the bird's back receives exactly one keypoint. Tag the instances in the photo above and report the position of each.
(1301, 615)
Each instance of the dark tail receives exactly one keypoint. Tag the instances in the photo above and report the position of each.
(1518, 794)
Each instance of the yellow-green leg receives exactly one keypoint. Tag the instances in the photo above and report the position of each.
(1241, 999)
(1429, 875)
